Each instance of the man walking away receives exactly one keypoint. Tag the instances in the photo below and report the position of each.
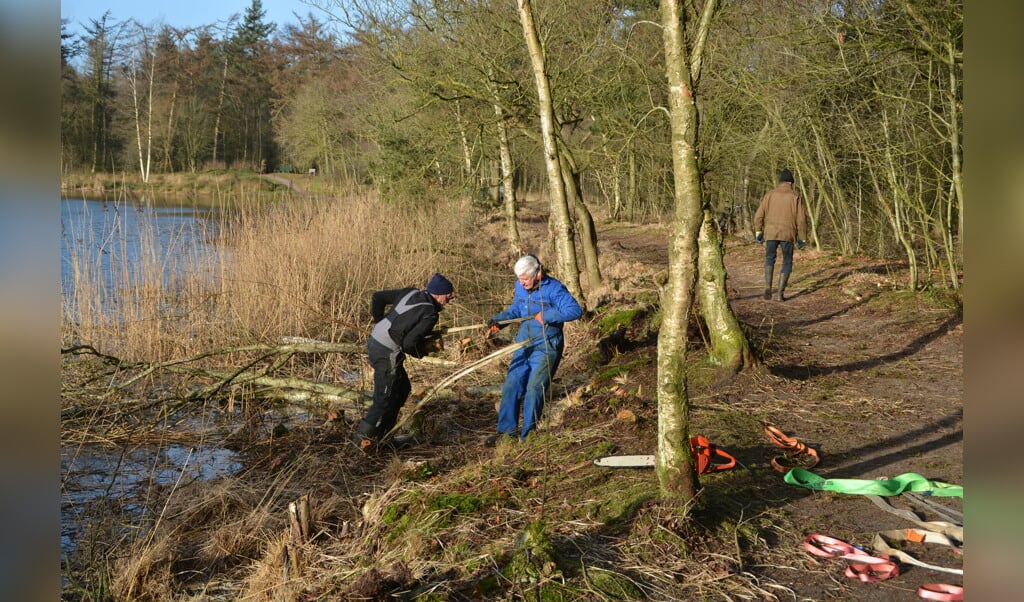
(780, 221)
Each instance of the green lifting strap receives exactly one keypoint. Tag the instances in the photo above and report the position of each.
(909, 481)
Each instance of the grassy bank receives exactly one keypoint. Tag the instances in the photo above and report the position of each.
(204, 188)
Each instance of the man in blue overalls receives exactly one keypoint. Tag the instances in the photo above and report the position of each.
(548, 305)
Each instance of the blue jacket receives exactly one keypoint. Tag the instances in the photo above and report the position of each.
(550, 298)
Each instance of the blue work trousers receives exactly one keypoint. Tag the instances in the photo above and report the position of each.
(770, 247)
(526, 385)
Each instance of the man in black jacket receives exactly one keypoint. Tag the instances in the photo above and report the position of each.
(402, 331)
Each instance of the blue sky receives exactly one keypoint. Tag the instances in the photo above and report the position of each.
(180, 13)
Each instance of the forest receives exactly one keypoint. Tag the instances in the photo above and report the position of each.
(862, 99)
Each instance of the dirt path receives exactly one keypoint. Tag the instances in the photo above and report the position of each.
(881, 384)
(284, 181)
(869, 375)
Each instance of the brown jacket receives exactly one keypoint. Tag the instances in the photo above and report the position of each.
(781, 214)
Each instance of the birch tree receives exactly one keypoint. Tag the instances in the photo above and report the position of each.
(565, 247)
(140, 74)
(676, 473)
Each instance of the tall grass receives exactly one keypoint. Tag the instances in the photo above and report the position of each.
(281, 266)
(125, 282)
(273, 265)
(306, 268)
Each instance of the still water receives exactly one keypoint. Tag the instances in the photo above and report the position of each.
(111, 241)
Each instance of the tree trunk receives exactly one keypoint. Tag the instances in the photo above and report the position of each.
(169, 135)
(565, 247)
(220, 105)
(677, 476)
(133, 83)
(133, 75)
(632, 189)
(588, 231)
(956, 257)
(729, 346)
(149, 114)
(467, 153)
(515, 244)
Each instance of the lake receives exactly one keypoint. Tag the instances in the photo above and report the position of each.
(110, 242)
(115, 238)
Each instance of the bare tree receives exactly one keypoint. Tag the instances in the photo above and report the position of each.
(563, 229)
(676, 473)
(140, 73)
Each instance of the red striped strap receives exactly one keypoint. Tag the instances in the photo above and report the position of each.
(862, 566)
(940, 591)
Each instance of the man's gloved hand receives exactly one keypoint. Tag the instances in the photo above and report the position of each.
(493, 326)
(759, 237)
(800, 244)
(432, 344)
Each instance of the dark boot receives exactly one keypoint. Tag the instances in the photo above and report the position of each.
(768, 270)
(365, 436)
(403, 441)
(783, 280)
(493, 439)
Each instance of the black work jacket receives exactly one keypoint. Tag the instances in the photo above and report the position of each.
(413, 315)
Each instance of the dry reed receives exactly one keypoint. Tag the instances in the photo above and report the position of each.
(272, 266)
(304, 267)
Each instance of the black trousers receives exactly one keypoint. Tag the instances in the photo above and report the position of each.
(391, 387)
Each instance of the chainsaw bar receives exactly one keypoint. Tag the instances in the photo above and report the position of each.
(639, 461)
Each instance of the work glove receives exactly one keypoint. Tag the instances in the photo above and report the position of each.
(493, 326)
(800, 244)
(432, 344)
(759, 237)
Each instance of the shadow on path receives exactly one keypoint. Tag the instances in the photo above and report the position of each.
(896, 445)
(803, 372)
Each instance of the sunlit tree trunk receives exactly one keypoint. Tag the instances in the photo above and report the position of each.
(508, 183)
(467, 152)
(954, 254)
(139, 54)
(584, 219)
(729, 346)
(565, 248)
(676, 474)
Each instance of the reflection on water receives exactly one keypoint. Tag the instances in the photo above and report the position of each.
(111, 241)
(108, 243)
(92, 474)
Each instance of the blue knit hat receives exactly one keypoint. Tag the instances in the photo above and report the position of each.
(439, 285)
